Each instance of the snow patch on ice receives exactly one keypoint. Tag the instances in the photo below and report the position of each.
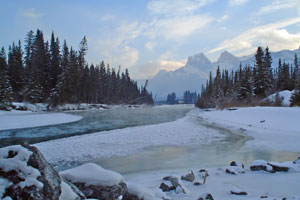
(24, 119)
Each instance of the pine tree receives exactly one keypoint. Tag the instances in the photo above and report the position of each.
(55, 68)
(16, 70)
(5, 88)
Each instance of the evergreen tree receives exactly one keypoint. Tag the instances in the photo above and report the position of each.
(16, 70)
(55, 69)
(5, 88)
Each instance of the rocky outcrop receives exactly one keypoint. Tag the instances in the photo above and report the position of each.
(28, 175)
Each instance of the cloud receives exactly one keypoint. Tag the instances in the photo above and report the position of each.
(273, 35)
(237, 2)
(32, 13)
(175, 7)
(223, 18)
(176, 28)
(277, 5)
(150, 69)
(114, 45)
(150, 45)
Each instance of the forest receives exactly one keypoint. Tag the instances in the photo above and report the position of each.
(44, 72)
(250, 85)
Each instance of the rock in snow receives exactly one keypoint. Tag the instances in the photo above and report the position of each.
(258, 165)
(234, 170)
(96, 182)
(189, 177)
(27, 174)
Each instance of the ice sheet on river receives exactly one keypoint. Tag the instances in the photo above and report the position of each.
(186, 131)
(27, 119)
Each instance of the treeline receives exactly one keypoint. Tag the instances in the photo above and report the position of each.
(250, 84)
(46, 73)
(188, 98)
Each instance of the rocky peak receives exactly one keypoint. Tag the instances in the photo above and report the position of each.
(199, 61)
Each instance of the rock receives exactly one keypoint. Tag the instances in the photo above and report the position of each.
(202, 173)
(28, 175)
(96, 182)
(165, 188)
(278, 167)
(103, 192)
(174, 180)
(258, 165)
(297, 161)
(238, 191)
(263, 196)
(189, 177)
(206, 196)
(197, 183)
(234, 170)
(237, 164)
(70, 191)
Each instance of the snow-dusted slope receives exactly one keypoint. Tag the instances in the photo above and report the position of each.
(196, 72)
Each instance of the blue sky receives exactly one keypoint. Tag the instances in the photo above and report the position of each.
(146, 36)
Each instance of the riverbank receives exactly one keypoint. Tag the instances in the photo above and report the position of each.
(271, 127)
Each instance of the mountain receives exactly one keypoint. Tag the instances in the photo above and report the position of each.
(196, 71)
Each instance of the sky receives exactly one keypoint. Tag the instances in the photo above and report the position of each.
(147, 36)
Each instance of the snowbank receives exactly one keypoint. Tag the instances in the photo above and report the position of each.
(92, 174)
(122, 142)
(273, 127)
(26, 119)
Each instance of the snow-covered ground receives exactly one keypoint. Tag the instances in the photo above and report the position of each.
(219, 183)
(25, 119)
(271, 127)
(123, 142)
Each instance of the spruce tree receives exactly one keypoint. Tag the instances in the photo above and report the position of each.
(5, 88)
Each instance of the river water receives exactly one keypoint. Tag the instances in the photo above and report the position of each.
(95, 121)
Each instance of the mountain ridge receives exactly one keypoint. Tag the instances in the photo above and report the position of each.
(196, 71)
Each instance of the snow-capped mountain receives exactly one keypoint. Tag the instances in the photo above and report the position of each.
(196, 71)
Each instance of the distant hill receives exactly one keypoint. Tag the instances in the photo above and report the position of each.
(196, 72)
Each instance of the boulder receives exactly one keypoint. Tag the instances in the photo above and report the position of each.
(166, 188)
(237, 164)
(27, 175)
(279, 167)
(238, 191)
(96, 182)
(206, 196)
(189, 177)
(258, 165)
(234, 170)
(174, 180)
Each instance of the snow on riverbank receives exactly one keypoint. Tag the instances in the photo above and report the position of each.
(122, 142)
(25, 119)
(276, 186)
(272, 127)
